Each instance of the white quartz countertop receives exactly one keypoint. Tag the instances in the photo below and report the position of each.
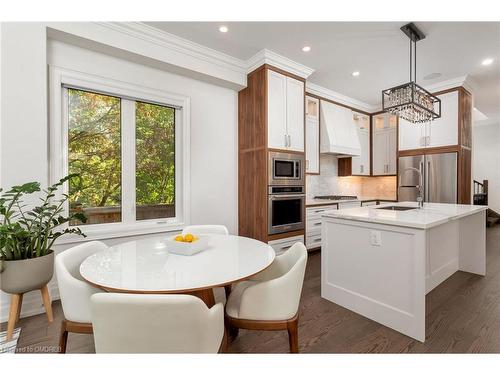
(431, 215)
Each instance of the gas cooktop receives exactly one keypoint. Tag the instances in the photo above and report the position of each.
(336, 197)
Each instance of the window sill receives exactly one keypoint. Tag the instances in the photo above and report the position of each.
(117, 230)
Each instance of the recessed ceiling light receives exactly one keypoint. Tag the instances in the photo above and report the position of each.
(432, 76)
(355, 74)
(487, 61)
(223, 29)
(306, 48)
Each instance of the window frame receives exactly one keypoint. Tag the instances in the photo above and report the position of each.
(60, 80)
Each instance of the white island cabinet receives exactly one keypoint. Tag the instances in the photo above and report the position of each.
(381, 263)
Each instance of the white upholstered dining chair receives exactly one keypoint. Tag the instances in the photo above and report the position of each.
(270, 300)
(75, 292)
(155, 323)
(206, 229)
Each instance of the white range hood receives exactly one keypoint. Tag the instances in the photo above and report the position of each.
(339, 135)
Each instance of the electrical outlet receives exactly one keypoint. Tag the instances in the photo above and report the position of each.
(375, 238)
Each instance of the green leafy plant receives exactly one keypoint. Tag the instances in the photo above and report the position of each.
(31, 233)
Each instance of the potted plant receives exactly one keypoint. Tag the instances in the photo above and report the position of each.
(27, 236)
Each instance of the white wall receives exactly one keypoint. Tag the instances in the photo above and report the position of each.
(486, 160)
(24, 130)
(23, 123)
(213, 127)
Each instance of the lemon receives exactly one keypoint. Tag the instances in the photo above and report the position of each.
(179, 238)
(189, 237)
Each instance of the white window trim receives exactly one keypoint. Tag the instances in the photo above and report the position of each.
(59, 77)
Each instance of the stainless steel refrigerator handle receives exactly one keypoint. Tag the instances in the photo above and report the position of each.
(427, 169)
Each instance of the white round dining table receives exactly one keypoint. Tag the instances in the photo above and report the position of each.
(147, 266)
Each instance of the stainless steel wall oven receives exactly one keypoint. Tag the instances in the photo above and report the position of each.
(286, 208)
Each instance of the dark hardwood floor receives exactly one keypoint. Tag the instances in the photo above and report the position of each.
(463, 316)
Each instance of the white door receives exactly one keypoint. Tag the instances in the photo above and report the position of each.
(361, 164)
(312, 146)
(411, 136)
(276, 110)
(364, 139)
(295, 113)
(356, 162)
(380, 152)
(391, 151)
(444, 130)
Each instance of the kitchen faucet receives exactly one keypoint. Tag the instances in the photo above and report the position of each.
(420, 186)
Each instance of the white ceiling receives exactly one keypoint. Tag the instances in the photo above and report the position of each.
(378, 50)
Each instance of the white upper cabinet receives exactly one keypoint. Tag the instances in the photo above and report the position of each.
(285, 111)
(440, 132)
(312, 135)
(411, 136)
(276, 110)
(361, 164)
(444, 130)
(312, 146)
(295, 114)
(392, 156)
(379, 155)
(384, 145)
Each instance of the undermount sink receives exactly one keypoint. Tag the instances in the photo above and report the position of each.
(397, 208)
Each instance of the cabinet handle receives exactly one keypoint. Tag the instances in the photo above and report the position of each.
(289, 141)
(361, 168)
(285, 247)
(317, 239)
(318, 211)
(286, 140)
(316, 224)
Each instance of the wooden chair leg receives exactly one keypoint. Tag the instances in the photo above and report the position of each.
(63, 338)
(47, 303)
(293, 335)
(20, 307)
(231, 331)
(227, 289)
(15, 306)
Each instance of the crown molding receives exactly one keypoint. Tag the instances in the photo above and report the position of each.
(315, 89)
(461, 81)
(266, 56)
(173, 42)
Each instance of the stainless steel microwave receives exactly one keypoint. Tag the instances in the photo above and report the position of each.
(286, 168)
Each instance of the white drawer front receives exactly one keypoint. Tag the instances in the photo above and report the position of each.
(349, 205)
(314, 213)
(282, 245)
(313, 241)
(313, 225)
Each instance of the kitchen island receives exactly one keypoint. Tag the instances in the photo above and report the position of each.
(381, 261)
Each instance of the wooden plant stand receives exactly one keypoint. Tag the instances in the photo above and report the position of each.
(15, 309)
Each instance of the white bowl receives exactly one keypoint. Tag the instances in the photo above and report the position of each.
(187, 248)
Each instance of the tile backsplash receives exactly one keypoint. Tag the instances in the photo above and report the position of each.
(329, 183)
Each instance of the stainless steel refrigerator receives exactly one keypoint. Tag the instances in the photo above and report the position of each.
(436, 172)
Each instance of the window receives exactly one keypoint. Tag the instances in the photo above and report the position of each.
(130, 147)
(155, 161)
(94, 145)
